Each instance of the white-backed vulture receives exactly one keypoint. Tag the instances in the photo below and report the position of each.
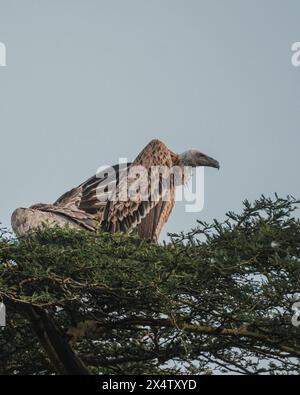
(82, 206)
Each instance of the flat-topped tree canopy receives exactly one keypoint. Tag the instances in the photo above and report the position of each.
(219, 297)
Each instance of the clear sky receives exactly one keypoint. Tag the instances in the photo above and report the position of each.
(87, 82)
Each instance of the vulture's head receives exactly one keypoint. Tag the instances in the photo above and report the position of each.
(196, 158)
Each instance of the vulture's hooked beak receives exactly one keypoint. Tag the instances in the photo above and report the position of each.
(207, 161)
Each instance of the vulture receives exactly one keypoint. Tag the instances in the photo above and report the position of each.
(89, 207)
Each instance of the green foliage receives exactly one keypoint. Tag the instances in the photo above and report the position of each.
(219, 297)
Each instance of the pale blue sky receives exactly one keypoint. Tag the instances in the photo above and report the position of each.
(90, 81)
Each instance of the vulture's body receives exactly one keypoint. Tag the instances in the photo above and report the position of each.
(82, 206)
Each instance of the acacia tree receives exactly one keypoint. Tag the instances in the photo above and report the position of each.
(218, 298)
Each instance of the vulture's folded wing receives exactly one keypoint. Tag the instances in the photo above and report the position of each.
(74, 215)
(91, 196)
(149, 214)
(151, 226)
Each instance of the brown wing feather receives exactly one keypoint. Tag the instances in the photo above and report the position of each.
(151, 226)
(82, 204)
(85, 198)
(73, 214)
(71, 198)
(148, 216)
